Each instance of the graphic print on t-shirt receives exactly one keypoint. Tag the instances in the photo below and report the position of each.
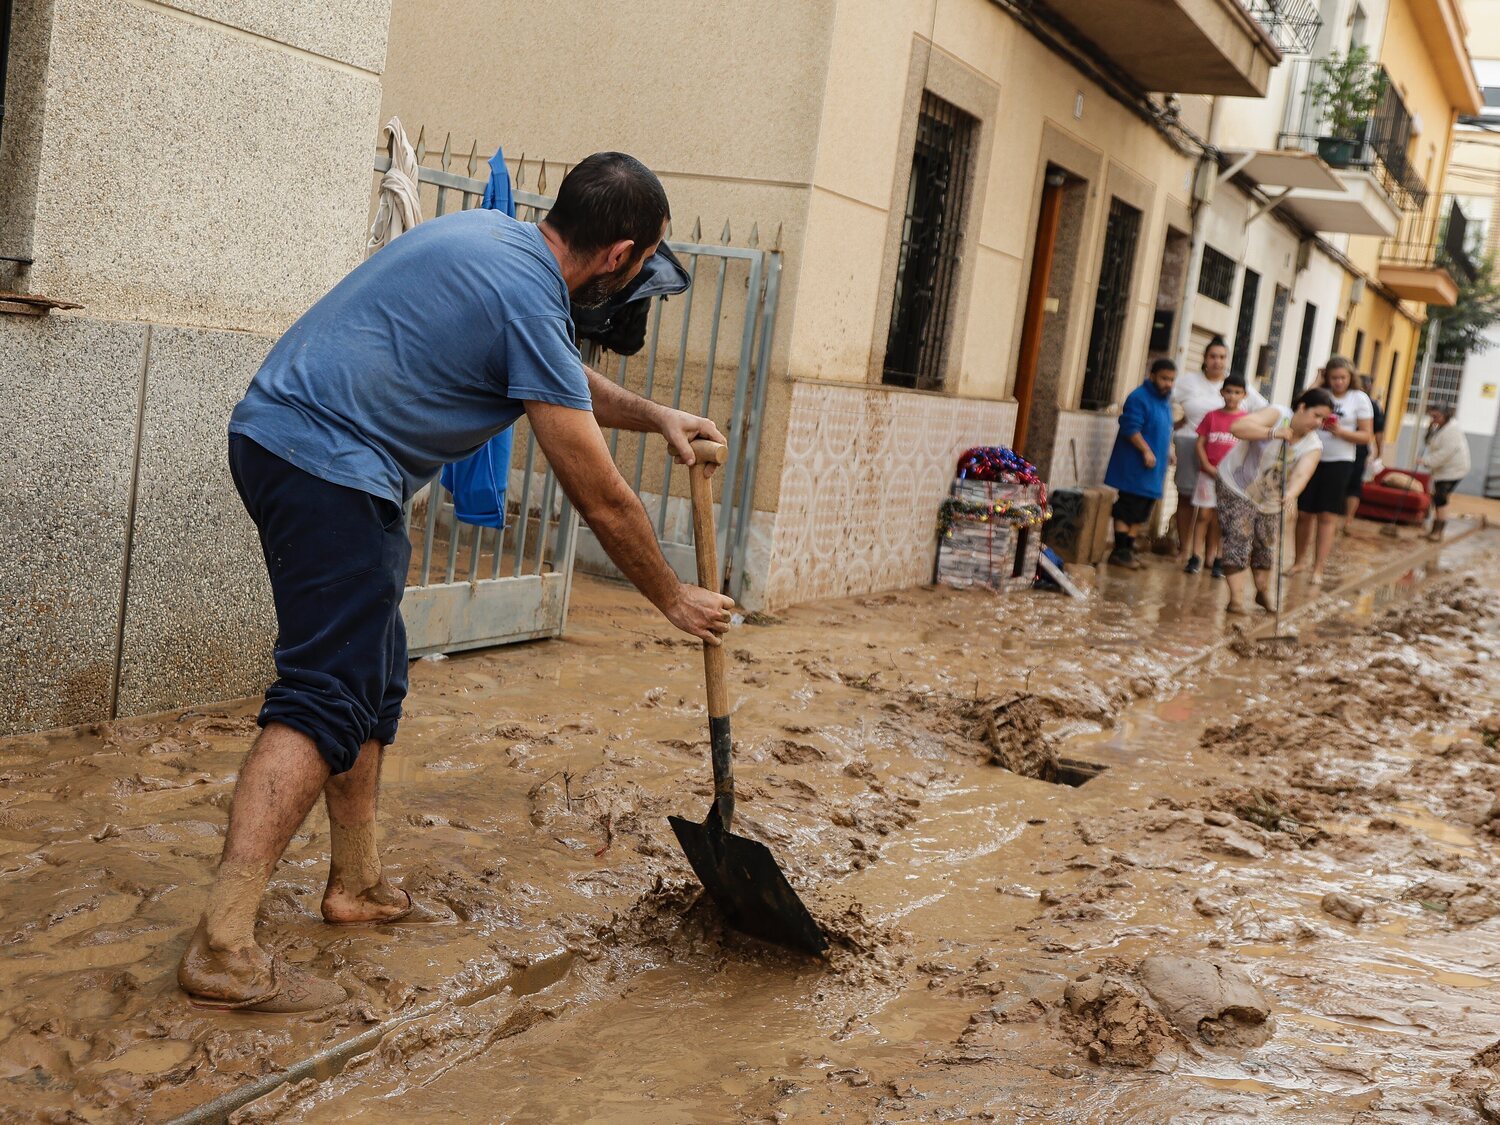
(1256, 469)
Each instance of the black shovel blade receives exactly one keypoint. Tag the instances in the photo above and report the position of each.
(749, 889)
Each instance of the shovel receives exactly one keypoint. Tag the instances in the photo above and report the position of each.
(739, 874)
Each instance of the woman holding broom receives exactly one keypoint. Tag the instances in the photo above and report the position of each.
(1277, 451)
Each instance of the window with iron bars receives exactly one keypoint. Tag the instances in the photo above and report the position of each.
(1111, 303)
(1216, 276)
(1442, 387)
(931, 238)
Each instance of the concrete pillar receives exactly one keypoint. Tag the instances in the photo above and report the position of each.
(194, 173)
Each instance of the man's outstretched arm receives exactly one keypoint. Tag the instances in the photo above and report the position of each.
(577, 452)
(619, 409)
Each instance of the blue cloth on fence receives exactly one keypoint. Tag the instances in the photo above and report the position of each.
(478, 483)
(497, 193)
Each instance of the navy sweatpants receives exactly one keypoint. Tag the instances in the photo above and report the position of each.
(337, 559)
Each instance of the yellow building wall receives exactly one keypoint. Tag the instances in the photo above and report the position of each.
(1396, 325)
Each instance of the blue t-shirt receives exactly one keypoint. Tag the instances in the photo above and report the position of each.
(1148, 413)
(418, 357)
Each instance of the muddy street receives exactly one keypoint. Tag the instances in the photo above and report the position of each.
(1249, 881)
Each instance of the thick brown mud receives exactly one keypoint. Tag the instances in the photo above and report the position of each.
(1275, 902)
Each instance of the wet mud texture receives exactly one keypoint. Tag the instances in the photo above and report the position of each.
(1274, 904)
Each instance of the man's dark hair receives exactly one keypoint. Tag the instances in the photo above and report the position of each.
(608, 197)
(1234, 381)
(1216, 342)
(1314, 396)
(1162, 365)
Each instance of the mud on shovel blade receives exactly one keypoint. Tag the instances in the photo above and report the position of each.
(740, 874)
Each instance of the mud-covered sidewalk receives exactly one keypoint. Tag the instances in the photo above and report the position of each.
(1308, 824)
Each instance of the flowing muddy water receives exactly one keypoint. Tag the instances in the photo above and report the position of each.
(582, 979)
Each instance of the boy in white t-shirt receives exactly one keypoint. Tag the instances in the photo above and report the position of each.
(1277, 454)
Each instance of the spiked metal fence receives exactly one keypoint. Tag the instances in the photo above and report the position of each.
(684, 364)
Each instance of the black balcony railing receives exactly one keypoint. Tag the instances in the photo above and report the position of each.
(1378, 144)
(1456, 243)
(1431, 241)
(1292, 24)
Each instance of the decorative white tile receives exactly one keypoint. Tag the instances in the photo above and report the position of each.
(867, 469)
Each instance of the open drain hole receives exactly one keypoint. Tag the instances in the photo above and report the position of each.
(1076, 772)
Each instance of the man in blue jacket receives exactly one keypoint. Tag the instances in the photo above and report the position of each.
(1138, 463)
(415, 360)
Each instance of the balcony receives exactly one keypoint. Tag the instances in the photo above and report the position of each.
(1184, 46)
(1423, 262)
(1375, 145)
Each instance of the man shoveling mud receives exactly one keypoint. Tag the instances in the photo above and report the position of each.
(418, 357)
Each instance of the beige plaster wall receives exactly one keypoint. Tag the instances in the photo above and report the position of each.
(860, 179)
(720, 100)
(1483, 18)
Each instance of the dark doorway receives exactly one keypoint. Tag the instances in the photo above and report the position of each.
(931, 240)
(1274, 337)
(1056, 304)
(1042, 254)
(1304, 349)
(1244, 327)
(1176, 251)
(1111, 303)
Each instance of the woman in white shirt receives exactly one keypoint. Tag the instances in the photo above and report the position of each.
(1321, 506)
(1446, 457)
(1197, 393)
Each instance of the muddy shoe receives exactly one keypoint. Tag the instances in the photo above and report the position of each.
(1218, 570)
(249, 980)
(1125, 560)
(294, 990)
(1194, 565)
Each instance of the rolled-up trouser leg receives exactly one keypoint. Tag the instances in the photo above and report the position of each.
(337, 561)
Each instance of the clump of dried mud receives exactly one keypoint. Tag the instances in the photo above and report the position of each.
(1129, 1016)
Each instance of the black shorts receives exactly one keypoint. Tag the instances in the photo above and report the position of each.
(1441, 491)
(1328, 490)
(337, 560)
(1131, 508)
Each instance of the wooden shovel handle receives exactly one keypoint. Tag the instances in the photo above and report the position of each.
(706, 541)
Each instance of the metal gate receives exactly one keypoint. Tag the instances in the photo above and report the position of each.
(470, 587)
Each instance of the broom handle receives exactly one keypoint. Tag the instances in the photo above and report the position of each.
(705, 543)
(1280, 537)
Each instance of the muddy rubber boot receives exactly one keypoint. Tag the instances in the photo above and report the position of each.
(1125, 559)
(1436, 534)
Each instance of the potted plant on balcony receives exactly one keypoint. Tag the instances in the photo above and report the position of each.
(1347, 90)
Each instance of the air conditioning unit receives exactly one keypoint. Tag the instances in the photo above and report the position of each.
(1356, 292)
